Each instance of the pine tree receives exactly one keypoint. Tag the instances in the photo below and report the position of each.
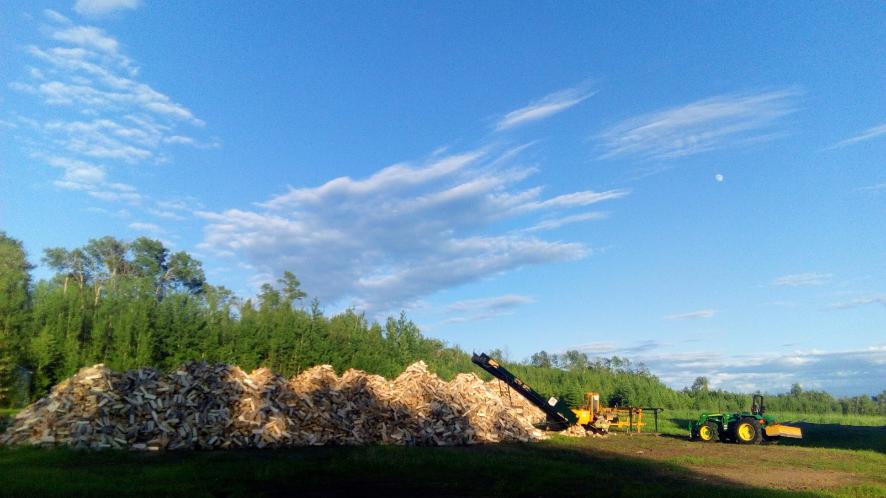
(14, 295)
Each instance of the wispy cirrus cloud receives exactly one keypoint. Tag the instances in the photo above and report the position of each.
(116, 196)
(606, 348)
(692, 315)
(877, 187)
(801, 280)
(861, 301)
(848, 372)
(552, 223)
(597, 348)
(96, 114)
(472, 310)
(141, 226)
(703, 125)
(545, 107)
(421, 229)
(869, 134)
(162, 213)
(97, 81)
(86, 36)
(104, 7)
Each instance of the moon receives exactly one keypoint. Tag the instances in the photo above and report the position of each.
(719, 177)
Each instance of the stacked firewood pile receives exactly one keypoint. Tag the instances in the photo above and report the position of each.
(517, 402)
(203, 406)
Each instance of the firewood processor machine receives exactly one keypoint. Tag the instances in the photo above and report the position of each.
(591, 416)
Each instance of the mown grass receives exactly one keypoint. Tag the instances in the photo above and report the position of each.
(617, 466)
(545, 469)
(694, 460)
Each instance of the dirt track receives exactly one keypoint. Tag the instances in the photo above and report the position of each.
(771, 466)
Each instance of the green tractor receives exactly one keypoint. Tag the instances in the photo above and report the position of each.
(743, 428)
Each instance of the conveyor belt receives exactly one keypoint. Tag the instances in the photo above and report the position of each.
(559, 415)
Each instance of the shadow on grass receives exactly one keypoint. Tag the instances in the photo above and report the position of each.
(682, 423)
(836, 436)
(847, 437)
(543, 469)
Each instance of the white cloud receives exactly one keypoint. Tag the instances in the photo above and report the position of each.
(552, 223)
(400, 234)
(575, 199)
(862, 301)
(473, 310)
(120, 119)
(79, 172)
(110, 196)
(104, 7)
(597, 348)
(56, 17)
(160, 213)
(94, 80)
(869, 134)
(877, 187)
(145, 227)
(104, 139)
(543, 108)
(86, 36)
(692, 315)
(122, 187)
(174, 205)
(802, 280)
(840, 372)
(707, 124)
(179, 139)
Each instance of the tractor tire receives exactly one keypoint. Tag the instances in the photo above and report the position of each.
(708, 431)
(747, 431)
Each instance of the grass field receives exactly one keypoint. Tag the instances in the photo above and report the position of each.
(823, 464)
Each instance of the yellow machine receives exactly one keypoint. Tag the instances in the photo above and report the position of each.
(591, 415)
(601, 419)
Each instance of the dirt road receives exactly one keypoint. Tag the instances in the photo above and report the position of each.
(771, 466)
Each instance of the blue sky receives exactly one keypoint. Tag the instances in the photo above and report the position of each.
(700, 187)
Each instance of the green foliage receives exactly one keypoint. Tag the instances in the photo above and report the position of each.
(135, 304)
(14, 284)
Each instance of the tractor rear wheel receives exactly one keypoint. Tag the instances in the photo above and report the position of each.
(708, 432)
(747, 431)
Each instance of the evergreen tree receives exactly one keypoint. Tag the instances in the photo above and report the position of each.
(135, 304)
(14, 286)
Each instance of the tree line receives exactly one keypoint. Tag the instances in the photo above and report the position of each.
(622, 383)
(134, 304)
